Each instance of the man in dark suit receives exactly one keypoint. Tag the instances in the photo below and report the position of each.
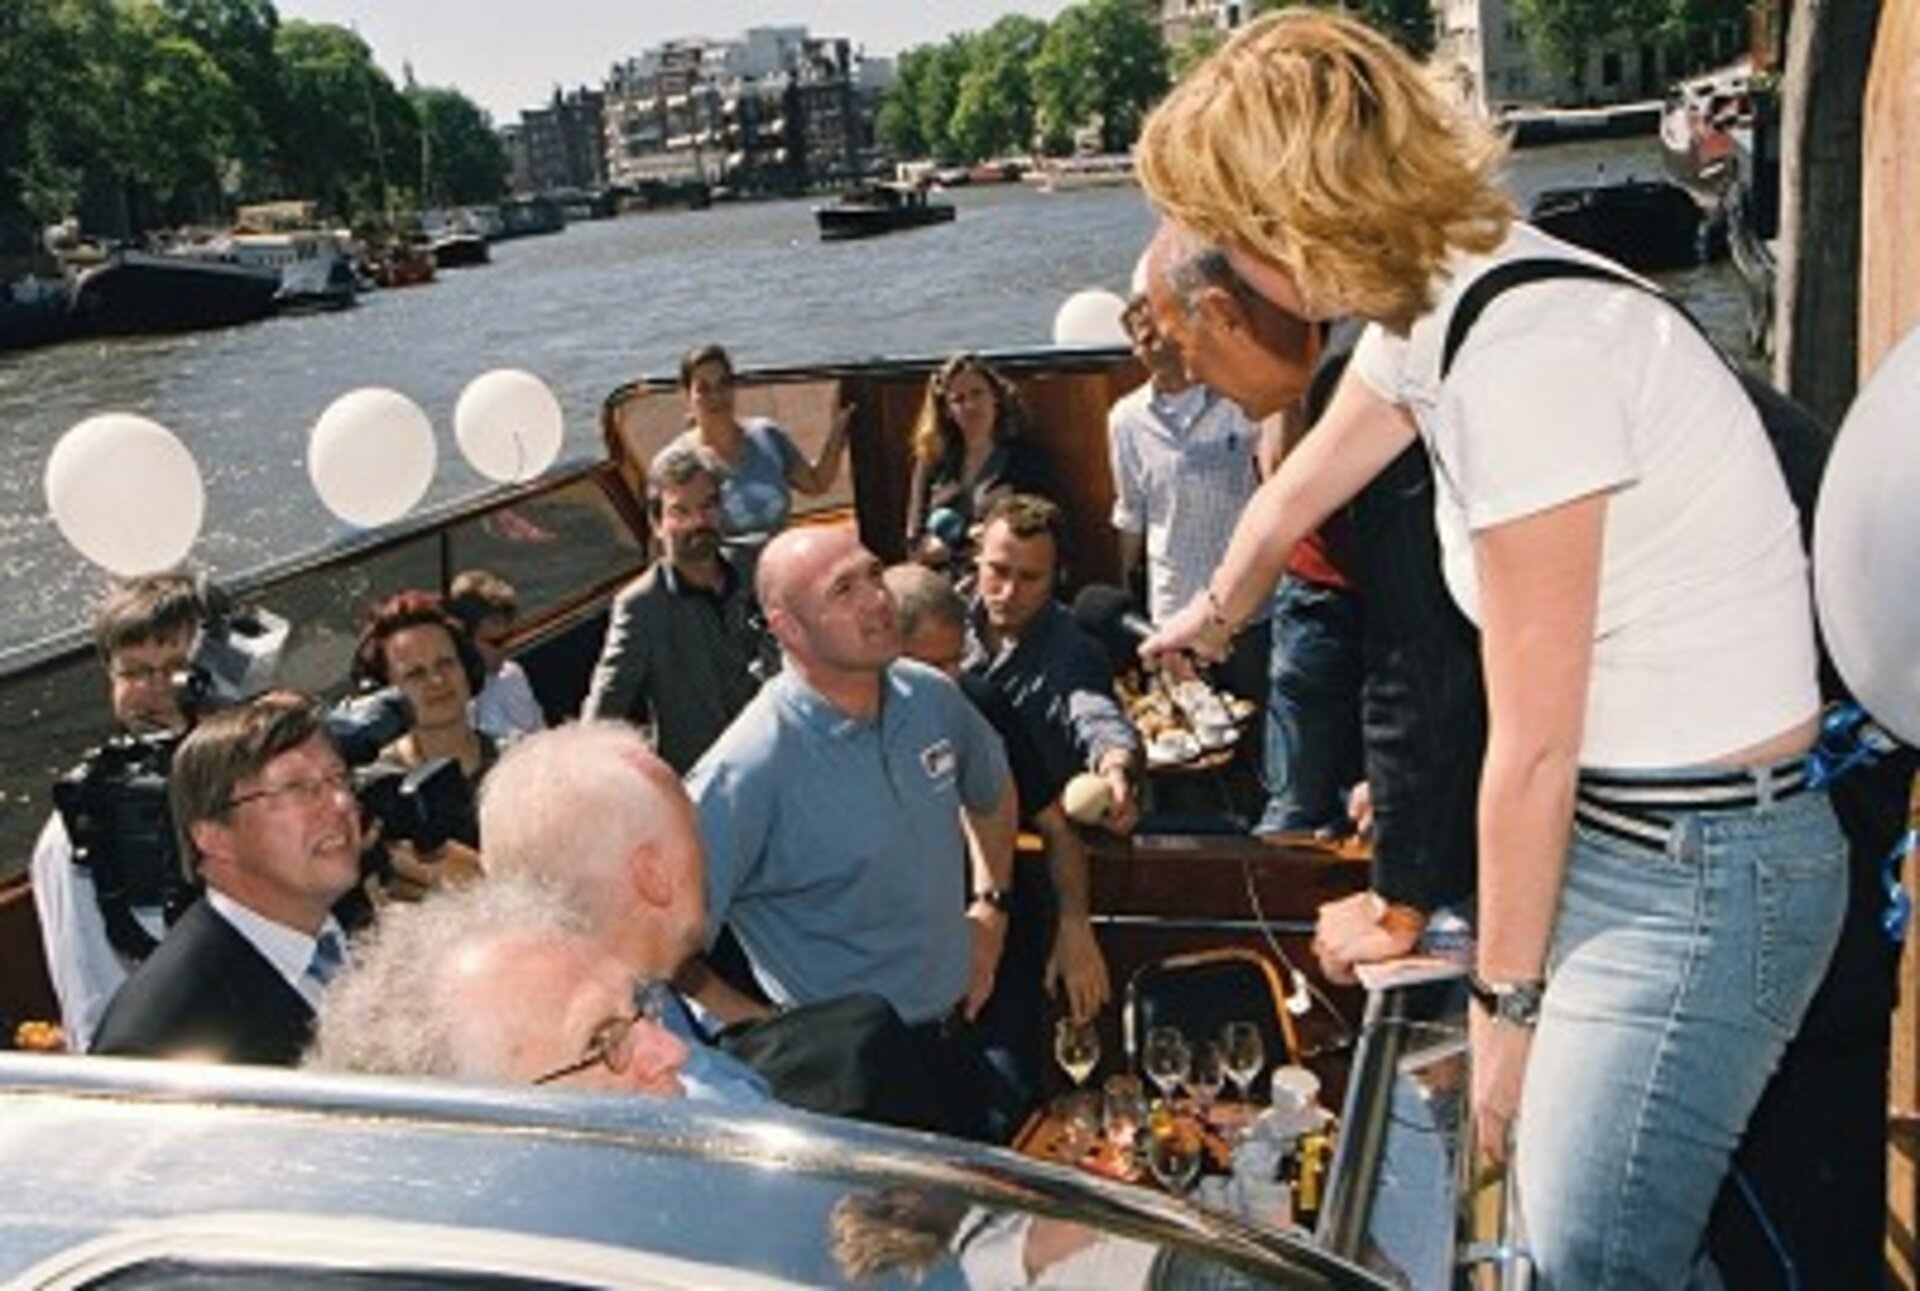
(265, 809)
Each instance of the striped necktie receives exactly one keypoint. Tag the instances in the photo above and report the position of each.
(329, 957)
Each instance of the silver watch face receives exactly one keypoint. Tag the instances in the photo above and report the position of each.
(1519, 1005)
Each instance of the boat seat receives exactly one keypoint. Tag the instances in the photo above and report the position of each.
(1202, 991)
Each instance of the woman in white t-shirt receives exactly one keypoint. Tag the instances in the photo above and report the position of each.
(1659, 892)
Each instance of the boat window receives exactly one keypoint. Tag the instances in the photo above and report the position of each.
(651, 416)
(552, 547)
(46, 722)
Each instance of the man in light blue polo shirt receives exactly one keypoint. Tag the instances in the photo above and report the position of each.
(836, 811)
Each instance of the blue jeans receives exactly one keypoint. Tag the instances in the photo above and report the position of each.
(1313, 707)
(1675, 979)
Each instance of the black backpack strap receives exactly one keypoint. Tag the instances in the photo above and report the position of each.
(1517, 273)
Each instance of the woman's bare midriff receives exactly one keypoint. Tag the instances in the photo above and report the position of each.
(1790, 743)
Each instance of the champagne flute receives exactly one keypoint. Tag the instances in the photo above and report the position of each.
(1206, 1074)
(1165, 1060)
(1246, 1055)
(1076, 1047)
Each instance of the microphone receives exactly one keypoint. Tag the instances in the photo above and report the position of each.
(947, 525)
(1299, 997)
(1106, 613)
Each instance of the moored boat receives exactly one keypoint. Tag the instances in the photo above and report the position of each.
(1700, 128)
(35, 310)
(1646, 225)
(876, 208)
(1089, 170)
(399, 264)
(458, 249)
(135, 292)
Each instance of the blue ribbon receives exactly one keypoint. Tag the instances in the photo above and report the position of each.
(1899, 910)
(1849, 739)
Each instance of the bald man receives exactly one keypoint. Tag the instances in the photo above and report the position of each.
(499, 981)
(832, 812)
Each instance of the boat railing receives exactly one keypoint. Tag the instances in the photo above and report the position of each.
(565, 542)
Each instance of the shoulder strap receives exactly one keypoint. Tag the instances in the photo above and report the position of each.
(1517, 273)
(1800, 440)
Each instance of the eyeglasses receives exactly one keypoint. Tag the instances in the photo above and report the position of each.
(610, 1043)
(148, 674)
(308, 791)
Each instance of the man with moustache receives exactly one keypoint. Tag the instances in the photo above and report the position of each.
(267, 818)
(832, 813)
(683, 650)
(1423, 710)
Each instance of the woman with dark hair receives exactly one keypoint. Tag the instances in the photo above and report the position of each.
(758, 464)
(968, 448)
(411, 642)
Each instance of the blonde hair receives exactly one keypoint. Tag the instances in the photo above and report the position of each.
(1318, 145)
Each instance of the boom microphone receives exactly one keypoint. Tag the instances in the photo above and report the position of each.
(1106, 613)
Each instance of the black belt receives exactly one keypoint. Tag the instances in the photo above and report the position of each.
(1641, 809)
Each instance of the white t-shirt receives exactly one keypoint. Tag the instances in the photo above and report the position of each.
(506, 707)
(85, 968)
(1704, 640)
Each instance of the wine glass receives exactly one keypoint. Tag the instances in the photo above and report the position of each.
(1205, 1075)
(1123, 1111)
(1245, 1053)
(1076, 1047)
(1173, 1153)
(1080, 1127)
(1165, 1060)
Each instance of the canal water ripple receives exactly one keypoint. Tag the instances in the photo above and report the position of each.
(586, 310)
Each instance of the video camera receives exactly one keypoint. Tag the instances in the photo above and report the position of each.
(114, 807)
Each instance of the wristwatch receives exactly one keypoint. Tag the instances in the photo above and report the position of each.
(1515, 1003)
(999, 898)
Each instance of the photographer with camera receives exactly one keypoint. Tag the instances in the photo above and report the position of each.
(411, 642)
(101, 905)
(267, 816)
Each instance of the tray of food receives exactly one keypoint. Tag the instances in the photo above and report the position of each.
(1183, 722)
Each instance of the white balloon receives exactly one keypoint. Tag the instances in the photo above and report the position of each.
(1866, 544)
(371, 456)
(1090, 317)
(509, 425)
(126, 494)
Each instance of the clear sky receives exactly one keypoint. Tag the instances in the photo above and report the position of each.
(508, 55)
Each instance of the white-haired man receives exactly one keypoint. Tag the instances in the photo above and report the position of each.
(498, 981)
